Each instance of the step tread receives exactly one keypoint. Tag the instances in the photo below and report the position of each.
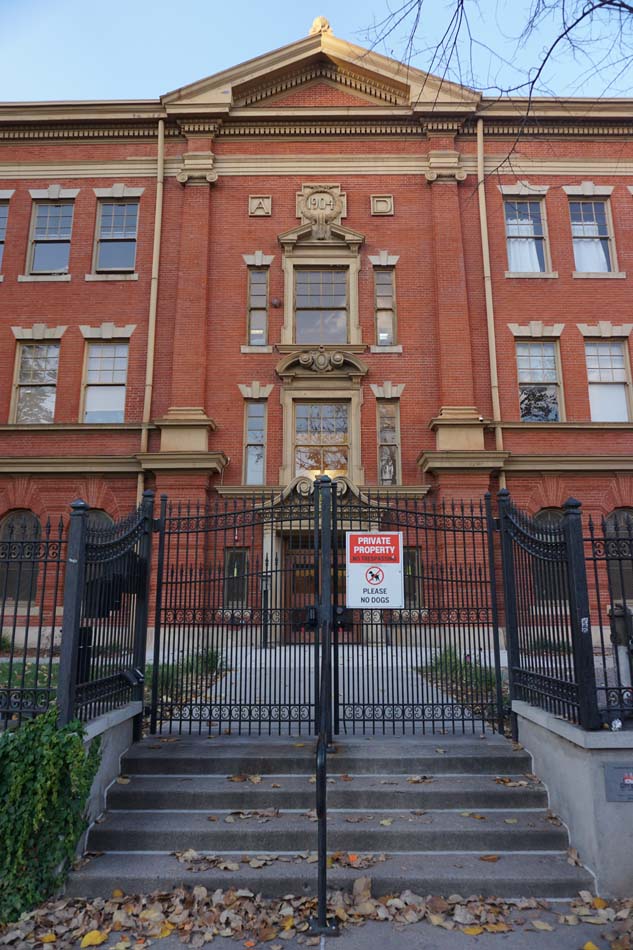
(296, 791)
(514, 875)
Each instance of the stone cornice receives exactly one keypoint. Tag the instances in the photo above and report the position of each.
(310, 128)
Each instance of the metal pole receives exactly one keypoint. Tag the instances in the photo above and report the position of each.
(142, 607)
(157, 616)
(495, 610)
(73, 594)
(588, 712)
(510, 598)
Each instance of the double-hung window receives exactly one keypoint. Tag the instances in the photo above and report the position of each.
(105, 382)
(50, 237)
(607, 374)
(321, 438)
(4, 215)
(257, 306)
(321, 305)
(384, 280)
(525, 237)
(116, 236)
(388, 442)
(255, 450)
(539, 397)
(36, 383)
(591, 235)
(235, 577)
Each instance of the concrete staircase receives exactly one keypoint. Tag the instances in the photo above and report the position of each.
(464, 803)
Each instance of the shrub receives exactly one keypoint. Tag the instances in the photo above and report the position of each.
(196, 670)
(451, 667)
(45, 780)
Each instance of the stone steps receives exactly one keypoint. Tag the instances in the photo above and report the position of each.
(177, 795)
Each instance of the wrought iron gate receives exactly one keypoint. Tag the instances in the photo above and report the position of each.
(240, 607)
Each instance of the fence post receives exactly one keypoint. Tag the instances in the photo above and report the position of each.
(157, 615)
(142, 606)
(73, 593)
(580, 616)
(510, 600)
(490, 531)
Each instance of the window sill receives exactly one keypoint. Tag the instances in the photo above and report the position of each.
(42, 278)
(532, 275)
(566, 425)
(99, 277)
(396, 348)
(255, 349)
(604, 275)
(72, 426)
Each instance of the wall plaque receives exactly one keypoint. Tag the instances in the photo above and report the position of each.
(618, 780)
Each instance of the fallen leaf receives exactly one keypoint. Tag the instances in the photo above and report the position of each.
(541, 925)
(491, 858)
(346, 778)
(94, 938)
(599, 903)
(590, 945)
(386, 822)
(511, 821)
(236, 778)
(123, 780)
(48, 938)
(255, 779)
(473, 931)
(117, 892)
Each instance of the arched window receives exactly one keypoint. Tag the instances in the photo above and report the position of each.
(550, 577)
(619, 526)
(20, 532)
(99, 519)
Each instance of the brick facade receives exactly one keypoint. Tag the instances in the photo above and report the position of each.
(266, 129)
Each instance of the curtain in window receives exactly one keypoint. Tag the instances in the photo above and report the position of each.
(523, 249)
(592, 256)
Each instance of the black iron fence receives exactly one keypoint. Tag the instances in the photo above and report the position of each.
(32, 562)
(238, 639)
(106, 600)
(609, 555)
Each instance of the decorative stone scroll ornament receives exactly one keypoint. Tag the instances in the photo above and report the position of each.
(445, 166)
(320, 24)
(197, 169)
(321, 206)
(322, 361)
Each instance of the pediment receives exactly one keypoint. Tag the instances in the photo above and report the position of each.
(321, 364)
(313, 65)
(329, 235)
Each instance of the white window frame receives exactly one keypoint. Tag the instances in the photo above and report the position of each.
(528, 199)
(247, 405)
(395, 403)
(17, 385)
(331, 258)
(98, 240)
(86, 385)
(530, 341)
(626, 382)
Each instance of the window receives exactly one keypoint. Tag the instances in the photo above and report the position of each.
(36, 382)
(525, 237)
(321, 438)
(254, 465)
(538, 382)
(321, 306)
(116, 236)
(257, 306)
(235, 577)
(99, 520)
(106, 374)
(50, 242)
(384, 282)
(412, 578)
(18, 566)
(619, 525)
(608, 381)
(4, 215)
(591, 237)
(388, 442)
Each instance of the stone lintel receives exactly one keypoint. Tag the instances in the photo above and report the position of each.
(183, 461)
(461, 461)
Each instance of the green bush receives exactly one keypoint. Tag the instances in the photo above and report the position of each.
(173, 678)
(451, 667)
(5, 643)
(45, 780)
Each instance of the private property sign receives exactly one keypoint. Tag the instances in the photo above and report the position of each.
(374, 570)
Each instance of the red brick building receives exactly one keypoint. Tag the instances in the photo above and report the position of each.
(320, 260)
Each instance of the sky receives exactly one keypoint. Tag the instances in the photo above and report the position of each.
(141, 49)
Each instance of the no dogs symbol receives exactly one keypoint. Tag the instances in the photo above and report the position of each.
(374, 575)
